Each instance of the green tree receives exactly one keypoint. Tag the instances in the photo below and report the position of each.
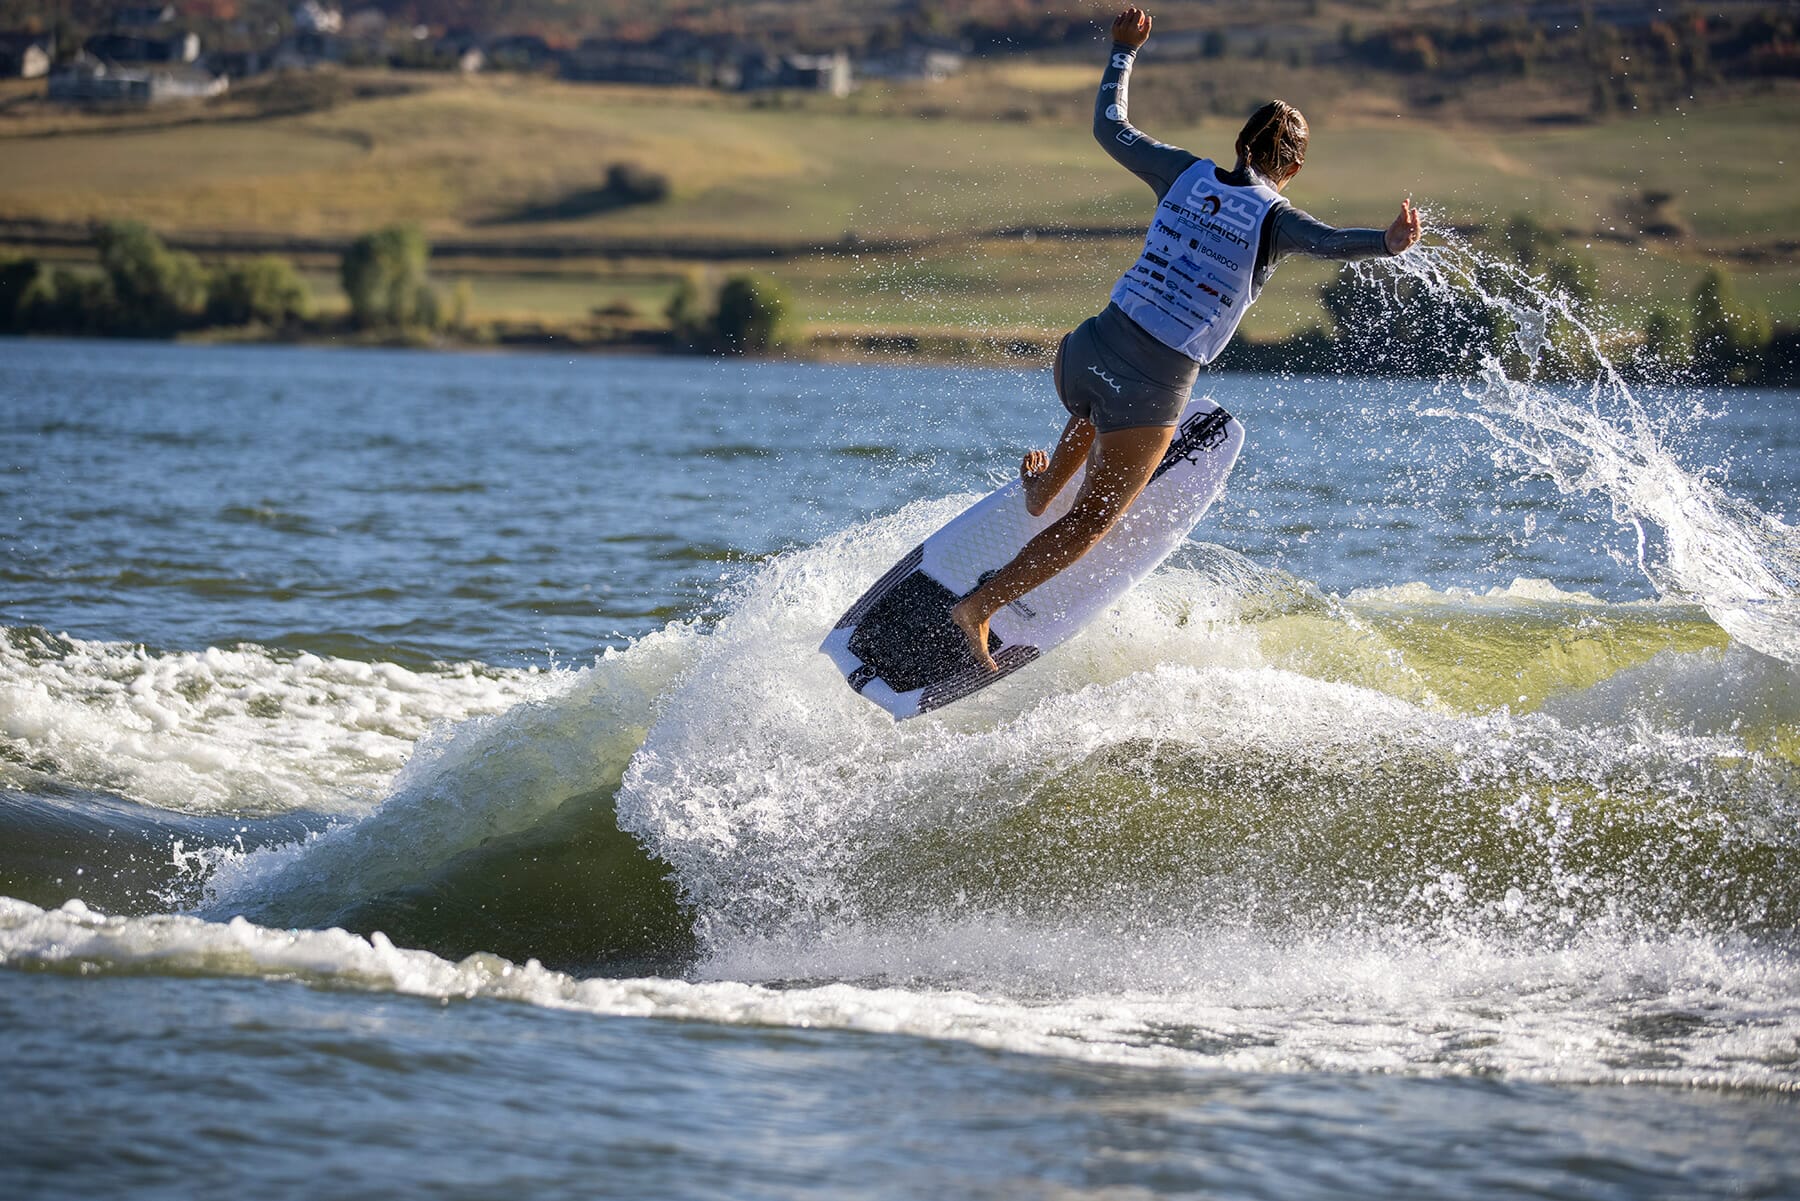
(266, 290)
(1665, 344)
(156, 291)
(1529, 241)
(66, 302)
(384, 276)
(16, 278)
(686, 309)
(750, 314)
(1574, 275)
(1730, 336)
(1387, 327)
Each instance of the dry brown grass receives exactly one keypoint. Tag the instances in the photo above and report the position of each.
(454, 153)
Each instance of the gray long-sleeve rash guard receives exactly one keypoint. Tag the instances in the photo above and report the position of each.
(1287, 231)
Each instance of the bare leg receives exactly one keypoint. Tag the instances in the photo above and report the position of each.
(1043, 483)
(1122, 464)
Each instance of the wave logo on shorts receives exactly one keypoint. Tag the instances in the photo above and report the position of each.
(1106, 379)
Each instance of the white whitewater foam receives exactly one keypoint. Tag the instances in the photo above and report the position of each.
(743, 761)
(244, 731)
(1522, 591)
(775, 792)
(1589, 1012)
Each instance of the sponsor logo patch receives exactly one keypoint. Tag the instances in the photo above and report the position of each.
(1209, 224)
(1199, 434)
(1215, 256)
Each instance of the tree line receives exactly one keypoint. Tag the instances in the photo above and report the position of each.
(144, 289)
(1378, 325)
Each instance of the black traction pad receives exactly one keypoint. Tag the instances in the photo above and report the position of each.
(908, 640)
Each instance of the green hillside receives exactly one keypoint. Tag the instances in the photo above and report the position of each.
(493, 168)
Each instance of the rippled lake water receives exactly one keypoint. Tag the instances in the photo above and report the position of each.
(417, 778)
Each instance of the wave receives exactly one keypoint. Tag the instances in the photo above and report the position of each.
(1681, 1010)
(57, 841)
(242, 730)
(436, 804)
(1239, 823)
(1231, 748)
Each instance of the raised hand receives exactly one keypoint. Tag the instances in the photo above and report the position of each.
(1406, 229)
(1132, 28)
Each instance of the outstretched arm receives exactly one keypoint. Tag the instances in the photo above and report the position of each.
(1151, 161)
(1295, 232)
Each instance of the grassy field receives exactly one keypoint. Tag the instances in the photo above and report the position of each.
(1005, 146)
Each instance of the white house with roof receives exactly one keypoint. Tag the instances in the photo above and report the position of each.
(93, 81)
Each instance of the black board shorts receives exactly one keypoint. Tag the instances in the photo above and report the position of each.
(1112, 372)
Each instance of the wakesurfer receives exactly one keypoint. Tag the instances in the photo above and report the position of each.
(1125, 374)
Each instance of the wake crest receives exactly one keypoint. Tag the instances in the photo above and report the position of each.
(1234, 748)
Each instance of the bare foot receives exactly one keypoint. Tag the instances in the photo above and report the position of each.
(1031, 475)
(975, 629)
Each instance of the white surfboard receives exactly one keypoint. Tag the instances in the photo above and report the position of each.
(896, 645)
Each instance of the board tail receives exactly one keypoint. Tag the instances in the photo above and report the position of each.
(1007, 659)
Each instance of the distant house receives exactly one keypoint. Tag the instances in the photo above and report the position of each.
(806, 72)
(89, 81)
(704, 62)
(126, 48)
(26, 55)
(816, 72)
(930, 64)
